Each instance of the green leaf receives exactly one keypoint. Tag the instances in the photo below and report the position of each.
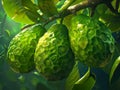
(84, 78)
(114, 4)
(66, 4)
(30, 5)
(114, 67)
(47, 7)
(8, 33)
(77, 1)
(59, 4)
(18, 10)
(112, 21)
(72, 78)
(87, 85)
(86, 82)
(56, 1)
(100, 10)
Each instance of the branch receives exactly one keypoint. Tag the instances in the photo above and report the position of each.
(75, 8)
(82, 5)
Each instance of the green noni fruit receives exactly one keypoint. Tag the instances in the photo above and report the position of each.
(54, 58)
(22, 47)
(91, 41)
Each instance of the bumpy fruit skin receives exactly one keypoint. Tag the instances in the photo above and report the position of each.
(22, 47)
(54, 58)
(91, 41)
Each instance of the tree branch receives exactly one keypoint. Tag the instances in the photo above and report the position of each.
(83, 5)
(75, 8)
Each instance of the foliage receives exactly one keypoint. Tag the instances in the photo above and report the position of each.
(105, 16)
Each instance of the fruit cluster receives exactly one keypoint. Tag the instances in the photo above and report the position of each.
(53, 52)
